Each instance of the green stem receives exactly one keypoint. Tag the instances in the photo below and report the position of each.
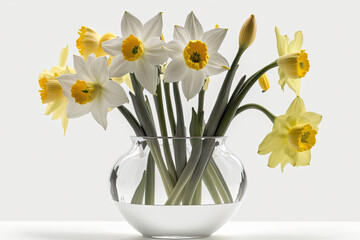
(226, 196)
(211, 187)
(206, 153)
(176, 194)
(237, 89)
(201, 101)
(208, 146)
(232, 107)
(179, 144)
(153, 144)
(150, 181)
(223, 96)
(224, 187)
(197, 197)
(169, 108)
(139, 131)
(162, 123)
(257, 107)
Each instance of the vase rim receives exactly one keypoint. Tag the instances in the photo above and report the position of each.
(185, 138)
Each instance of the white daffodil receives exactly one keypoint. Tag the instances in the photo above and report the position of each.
(91, 90)
(194, 55)
(138, 51)
(293, 62)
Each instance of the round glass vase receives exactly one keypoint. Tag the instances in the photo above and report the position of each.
(172, 187)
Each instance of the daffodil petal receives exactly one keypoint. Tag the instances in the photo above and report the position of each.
(192, 83)
(282, 80)
(147, 75)
(217, 64)
(75, 110)
(63, 56)
(57, 69)
(81, 68)
(53, 106)
(114, 94)
(99, 112)
(91, 58)
(64, 122)
(48, 109)
(303, 158)
(99, 70)
(272, 141)
(113, 46)
(193, 26)
(296, 44)
(119, 67)
(181, 35)
(282, 42)
(313, 118)
(66, 81)
(280, 122)
(297, 107)
(275, 158)
(154, 53)
(174, 49)
(294, 84)
(176, 70)
(153, 27)
(213, 38)
(130, 25)
(285, 160)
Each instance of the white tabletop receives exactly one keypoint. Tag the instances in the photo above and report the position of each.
(231, 231)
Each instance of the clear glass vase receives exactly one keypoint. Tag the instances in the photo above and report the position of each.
(168, 187)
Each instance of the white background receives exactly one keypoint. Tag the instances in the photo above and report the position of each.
(47, 176)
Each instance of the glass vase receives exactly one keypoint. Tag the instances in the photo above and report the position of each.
(171, 187)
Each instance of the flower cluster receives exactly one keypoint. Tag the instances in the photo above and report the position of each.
(141, 58)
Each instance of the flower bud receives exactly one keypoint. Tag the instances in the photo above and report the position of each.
(248, 32)
(264, 82)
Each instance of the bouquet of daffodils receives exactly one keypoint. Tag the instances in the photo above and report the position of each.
(140, 58)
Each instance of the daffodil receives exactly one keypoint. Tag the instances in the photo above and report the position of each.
(51, 90)
(91, 90)
(293, 62)
(194, 55)
(138, 51)
(90, 41)
(292, 136)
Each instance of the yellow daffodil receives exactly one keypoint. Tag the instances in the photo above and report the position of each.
(90, 42)
(293, 62)
(51, 90)
(194, 56)
(90, 90)
(138, 51)
(292, 136)
(264, 82)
